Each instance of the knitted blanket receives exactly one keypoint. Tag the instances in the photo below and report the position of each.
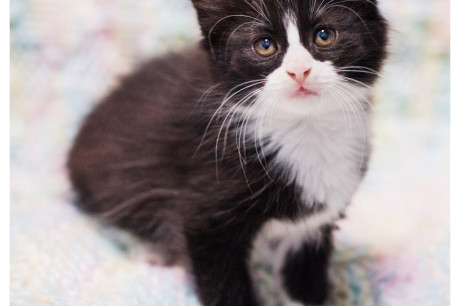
(393, 247)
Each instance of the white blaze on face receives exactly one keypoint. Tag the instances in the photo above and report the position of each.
(297, 60)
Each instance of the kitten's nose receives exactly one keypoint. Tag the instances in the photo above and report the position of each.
(299, 75)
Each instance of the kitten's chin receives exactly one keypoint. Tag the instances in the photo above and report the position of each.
(303, 94)
(298, 106)
(289, 104)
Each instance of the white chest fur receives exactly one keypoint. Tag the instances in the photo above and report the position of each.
(323, 156)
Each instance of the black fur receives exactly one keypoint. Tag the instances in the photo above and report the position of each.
(140, 161)
(305, 270)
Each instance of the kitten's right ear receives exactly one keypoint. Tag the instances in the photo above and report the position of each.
(211, 17)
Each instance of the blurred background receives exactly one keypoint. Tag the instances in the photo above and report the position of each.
(393, 249)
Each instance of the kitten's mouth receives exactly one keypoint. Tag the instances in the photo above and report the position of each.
(303, 92)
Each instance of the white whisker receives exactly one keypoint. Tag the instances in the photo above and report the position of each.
(230, 36)
(360, 18)
(233, 111)
(362, 124)
(258, 11)
(219, 21)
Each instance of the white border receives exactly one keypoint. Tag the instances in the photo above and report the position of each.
(5, 153)
(455, 152)
(5, 136)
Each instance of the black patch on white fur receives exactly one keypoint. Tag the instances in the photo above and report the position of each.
(305, 270)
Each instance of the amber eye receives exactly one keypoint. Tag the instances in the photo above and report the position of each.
(325, 37)
(265, 47)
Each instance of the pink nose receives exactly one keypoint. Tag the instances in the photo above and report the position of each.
(299, 76)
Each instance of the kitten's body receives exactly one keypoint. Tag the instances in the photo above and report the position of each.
(207, 175)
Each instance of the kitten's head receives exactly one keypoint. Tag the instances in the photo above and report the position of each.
(297, 56)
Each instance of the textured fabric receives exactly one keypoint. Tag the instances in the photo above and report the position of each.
(393, 248)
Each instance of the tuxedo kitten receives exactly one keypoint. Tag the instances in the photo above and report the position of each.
(260, 133)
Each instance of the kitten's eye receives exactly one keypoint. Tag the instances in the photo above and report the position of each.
(325, 37)
(265, 47)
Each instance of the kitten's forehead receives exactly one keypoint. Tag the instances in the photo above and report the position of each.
(311, 11)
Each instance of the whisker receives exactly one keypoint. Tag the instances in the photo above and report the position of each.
(362, 124)
(233, 32)
(256, 104)
(234, 111)
(359, 67)
(224, 101)
(205, 94)
(324, 8)
(260, 12)
(356, 81)
(360, 18)
(359, 70)
(219, 21)
(339, 2)
(265, 9)
(258, 131)
(341, 103)
(362, 96)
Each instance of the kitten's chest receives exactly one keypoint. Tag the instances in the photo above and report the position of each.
(322, 158)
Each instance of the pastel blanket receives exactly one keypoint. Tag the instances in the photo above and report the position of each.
(392, 249)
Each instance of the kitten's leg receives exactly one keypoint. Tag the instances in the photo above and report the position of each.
(305, 270)
(219, 264)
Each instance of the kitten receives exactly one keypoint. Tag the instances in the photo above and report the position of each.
(259, 134)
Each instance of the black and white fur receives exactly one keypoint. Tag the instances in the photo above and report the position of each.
(210, 154)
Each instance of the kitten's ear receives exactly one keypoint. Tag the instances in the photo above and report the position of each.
(211, 16)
